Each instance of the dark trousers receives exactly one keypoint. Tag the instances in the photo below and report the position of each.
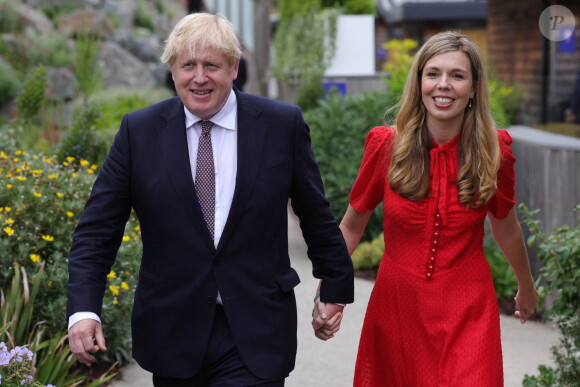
(223, 365)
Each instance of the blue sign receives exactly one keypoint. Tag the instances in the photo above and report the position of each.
(339, 86)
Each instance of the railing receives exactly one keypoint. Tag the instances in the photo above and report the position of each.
(547, 178)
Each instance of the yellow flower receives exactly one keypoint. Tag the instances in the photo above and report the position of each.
(84, 163)
(114, 290)
(9, 221)
(37, 194)
(8, 186)
(138, 227)
(15, 160)
(48, 238)
(3, 155)
(94, 166)
(8, 175)
(90, 171)
(124, 285)
(112, 275)
(52, 176)
(49, 283)
(115, 301)
(7, 209)
(70, 214)
(8, 230)
(21, 178)
(126, 238)
(18, 153)
(74, 175)
(65, 163)
(70, 159)
(60, 195)
(35, 257)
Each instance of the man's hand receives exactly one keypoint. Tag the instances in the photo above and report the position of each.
(86, 337)
(326, 319)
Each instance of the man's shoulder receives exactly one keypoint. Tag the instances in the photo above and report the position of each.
(166, 107)
(252, 101)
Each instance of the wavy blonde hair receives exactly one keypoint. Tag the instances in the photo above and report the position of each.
(197, 32)
(479, 153)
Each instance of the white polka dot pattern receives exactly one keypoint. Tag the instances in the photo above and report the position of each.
(205, 176)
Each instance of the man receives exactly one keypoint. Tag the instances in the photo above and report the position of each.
(215, 303)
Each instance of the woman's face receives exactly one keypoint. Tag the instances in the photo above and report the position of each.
(446, 87)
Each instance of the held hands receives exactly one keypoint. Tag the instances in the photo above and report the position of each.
(526, 303)
(326, 318)
(86, 337)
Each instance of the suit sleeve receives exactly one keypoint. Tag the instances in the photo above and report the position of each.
(99, 232)
(326, 247)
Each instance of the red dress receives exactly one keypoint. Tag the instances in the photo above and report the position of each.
(432, 319)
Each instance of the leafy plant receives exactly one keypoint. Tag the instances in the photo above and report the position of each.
(32, 95)
(8, 83)
(304, 43)
(338, 127)
(41, 201)
(368, 254)
(559, 252)
(85, 64)
(79, 142)
(359, 7)
(142, 16)
(399, 61)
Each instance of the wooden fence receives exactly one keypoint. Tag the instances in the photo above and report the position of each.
(547, 178)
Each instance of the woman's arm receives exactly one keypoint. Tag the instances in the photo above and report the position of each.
(326, 317)
(508, 234)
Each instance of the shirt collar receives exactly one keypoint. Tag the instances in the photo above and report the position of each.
(225, 118)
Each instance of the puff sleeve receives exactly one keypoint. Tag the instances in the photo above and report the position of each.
(368, 189)
(504, 198)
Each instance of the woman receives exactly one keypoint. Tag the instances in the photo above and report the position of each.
(433, 318)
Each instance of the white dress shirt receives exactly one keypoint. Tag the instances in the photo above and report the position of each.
(224, 140)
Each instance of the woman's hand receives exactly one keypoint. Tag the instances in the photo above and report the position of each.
(526, 303)
(326, 319)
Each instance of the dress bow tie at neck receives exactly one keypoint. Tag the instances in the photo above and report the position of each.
(442, 171)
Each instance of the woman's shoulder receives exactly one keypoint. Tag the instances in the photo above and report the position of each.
(504, 137)
(380, 135)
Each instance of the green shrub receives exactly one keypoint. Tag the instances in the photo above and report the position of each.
(559, 252)
(368, 254)
(143, 17)
(85, 64)
(359, 7)
(338, 127)
(9, 18)
(79, 142)
(32, 95)
(41, 201)
(8, 83)
(399, 61)
(304, 43)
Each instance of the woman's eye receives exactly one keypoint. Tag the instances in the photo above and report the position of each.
(458, 76)
(431, 75)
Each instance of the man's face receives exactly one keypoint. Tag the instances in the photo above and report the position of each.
(204, 81)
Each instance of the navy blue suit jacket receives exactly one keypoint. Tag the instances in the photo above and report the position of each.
(181, 272)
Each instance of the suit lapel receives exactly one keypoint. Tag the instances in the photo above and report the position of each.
(172, 140)
(251, 139)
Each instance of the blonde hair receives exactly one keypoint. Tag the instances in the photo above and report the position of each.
(479, 153)
(197, 32)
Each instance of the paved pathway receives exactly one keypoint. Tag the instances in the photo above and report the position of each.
(332, 362)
